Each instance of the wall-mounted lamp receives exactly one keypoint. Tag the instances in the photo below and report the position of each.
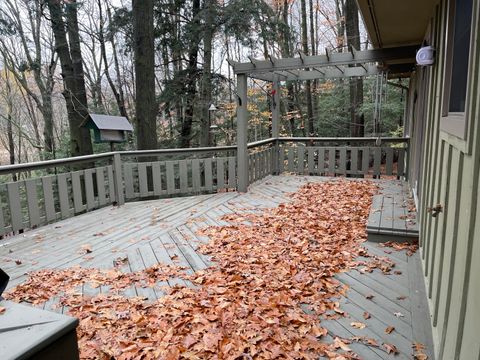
(426, 56)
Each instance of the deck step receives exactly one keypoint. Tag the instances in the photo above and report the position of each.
(392, 217)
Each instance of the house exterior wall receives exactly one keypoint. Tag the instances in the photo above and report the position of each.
(445, 170)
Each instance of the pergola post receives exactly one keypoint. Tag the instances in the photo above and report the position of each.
(242, 133)
(275, 122)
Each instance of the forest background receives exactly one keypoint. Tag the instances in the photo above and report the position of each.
(163, 64)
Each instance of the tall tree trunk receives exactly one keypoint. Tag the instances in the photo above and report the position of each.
(103, 52)
(356, 84)
(308, 85)
(206, 86)
(144, 74)
(314, 52)
(72, 73)
(191, 85)
(285, 49)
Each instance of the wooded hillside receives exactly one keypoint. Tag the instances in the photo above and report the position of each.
(163, 64)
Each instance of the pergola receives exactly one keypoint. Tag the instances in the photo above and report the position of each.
(352, 63)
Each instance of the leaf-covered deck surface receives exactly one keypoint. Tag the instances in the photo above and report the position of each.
(224, 279)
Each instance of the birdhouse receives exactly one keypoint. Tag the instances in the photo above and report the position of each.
(107, 128)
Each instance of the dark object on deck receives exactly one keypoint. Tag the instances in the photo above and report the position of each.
(3, 282)
(30, 333)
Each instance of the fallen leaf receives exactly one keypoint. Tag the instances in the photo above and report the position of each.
(391, 349)
(358, 325)
(402, 297)
(339, 344)
(366, 315)
(398, 314)
(18, 262)
(2, 310)
(389, 329)
(420, 356)
(369, 296)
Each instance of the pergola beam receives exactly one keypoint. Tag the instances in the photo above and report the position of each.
(398, 54)
(325, 73)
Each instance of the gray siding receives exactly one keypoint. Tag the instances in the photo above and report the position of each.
(447, 170)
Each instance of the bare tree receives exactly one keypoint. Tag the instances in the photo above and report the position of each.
(145, 103)
(64, 22)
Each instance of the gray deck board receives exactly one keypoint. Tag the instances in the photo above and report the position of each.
(389, 219)
(167, 231)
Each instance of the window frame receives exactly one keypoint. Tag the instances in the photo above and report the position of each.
(456, 123)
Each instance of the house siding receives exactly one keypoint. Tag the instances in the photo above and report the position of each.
(445, 170)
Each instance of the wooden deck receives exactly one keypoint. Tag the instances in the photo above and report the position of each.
(164, 231)
(392, 216)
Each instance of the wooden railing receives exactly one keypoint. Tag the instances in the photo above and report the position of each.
(262, 158)
(53, 190)
(343, 156)
(48, 191)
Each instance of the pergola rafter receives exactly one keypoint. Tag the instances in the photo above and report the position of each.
(333, 65)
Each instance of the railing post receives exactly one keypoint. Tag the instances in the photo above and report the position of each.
(275, 123)
(118, 178)
(242, 133)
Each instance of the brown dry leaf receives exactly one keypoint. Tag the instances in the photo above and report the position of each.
(369, 296)
(391, 349)
(389, 330)
(2, 310)
(402, 297)
(341, 344)
(358, 325)
(420, 356)
(366, 315)
(18, 262)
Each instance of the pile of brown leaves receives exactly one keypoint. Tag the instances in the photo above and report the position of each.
(410, 247)
(269, 267)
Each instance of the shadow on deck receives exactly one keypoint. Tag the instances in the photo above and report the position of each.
(143, 234)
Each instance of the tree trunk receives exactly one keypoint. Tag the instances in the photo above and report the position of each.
(72, 72)
(206, 86)
(144, 74)
(103, 52)
(356, 84)
(308, 85)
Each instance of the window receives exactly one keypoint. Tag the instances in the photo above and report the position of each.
(457, 64)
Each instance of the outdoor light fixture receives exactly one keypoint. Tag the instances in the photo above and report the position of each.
(426, 56)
